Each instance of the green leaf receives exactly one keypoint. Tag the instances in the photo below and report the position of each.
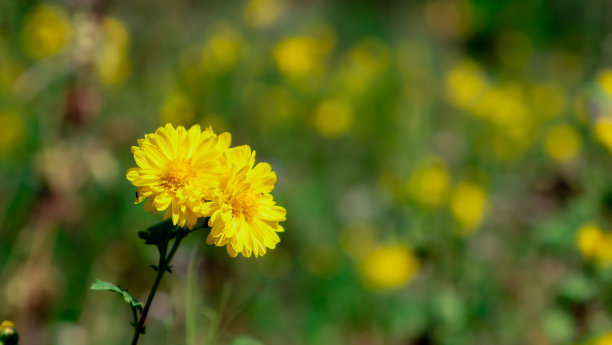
(159, 234)
(105, 286)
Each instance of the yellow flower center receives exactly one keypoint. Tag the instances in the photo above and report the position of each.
(177, 174)
(244, 204)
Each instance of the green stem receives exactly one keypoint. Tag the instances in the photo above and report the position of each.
(164, 263)
(135, 314)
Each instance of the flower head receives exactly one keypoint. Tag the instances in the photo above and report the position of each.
(177, 168)
(243, 216)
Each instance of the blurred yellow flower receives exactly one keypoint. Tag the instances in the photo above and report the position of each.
(8, 333)
(428, 184)
(332, 117)
(604, 79)
(7, 323)
(594, 244)
(366, 61)
(243, 214)
(548, 99)
(562, 143)
(468, 204)
(588, 239)
(11, 132)
(300, 55)
(223, 49)
(603, 131)
(605, 339)
(46, 31)
(177, 108)
(112, 62)
(504, 105)
(177, 168)
(263, 13)
(388, 267)
(465, 84)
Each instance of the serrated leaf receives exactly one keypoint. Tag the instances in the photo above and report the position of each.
(106, 286)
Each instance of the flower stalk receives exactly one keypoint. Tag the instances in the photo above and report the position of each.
(164, 265)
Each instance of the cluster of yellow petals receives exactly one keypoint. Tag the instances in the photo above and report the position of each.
(192, 173)
(244, 216)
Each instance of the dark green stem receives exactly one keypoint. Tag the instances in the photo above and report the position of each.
(164, 264)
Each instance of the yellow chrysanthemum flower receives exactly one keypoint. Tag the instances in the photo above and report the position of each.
(244, 217)
(176, 169)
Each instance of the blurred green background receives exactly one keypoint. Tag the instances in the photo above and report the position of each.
(445, 166)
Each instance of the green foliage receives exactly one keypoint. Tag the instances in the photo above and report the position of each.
(243, 340)
(106, 286)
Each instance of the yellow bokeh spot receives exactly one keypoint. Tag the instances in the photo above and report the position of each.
(548, 99)
(605, 339)
(46, 31)
(177, 109)
(594, 244)
(296, 56)
(365, 62)
(604, 79)
(603, 131)
(388, 267)
(562, 143)
(7, 324)
(115, 32)
(11, 132)
(504, 105)
(428, 184)
(263, 13)
(588, 240)
(465, 84)
(112, 63)
(223, 49)
(468, 204)
(332, 117)
(300, 56)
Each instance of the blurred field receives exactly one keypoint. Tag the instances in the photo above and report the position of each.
(445, 165)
